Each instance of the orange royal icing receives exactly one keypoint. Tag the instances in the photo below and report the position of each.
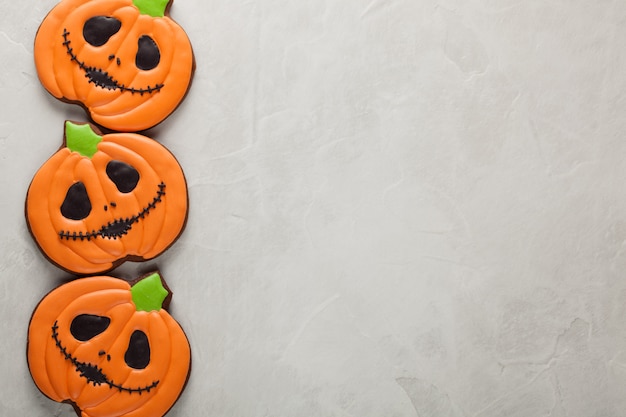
(101, 200)
(98, 344)
(127, 62)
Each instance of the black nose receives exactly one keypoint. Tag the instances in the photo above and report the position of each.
(102, 352)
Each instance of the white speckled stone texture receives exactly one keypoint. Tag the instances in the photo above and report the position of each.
(398, 208)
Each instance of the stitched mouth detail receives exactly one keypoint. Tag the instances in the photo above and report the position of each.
(101, 78)
(91, 372)
(119, 227)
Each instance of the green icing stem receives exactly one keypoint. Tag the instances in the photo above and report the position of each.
(148, 294)
(81, 139)
(154, 8)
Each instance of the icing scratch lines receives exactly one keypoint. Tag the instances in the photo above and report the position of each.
(101, 78)
(117, 228)
(92, 373)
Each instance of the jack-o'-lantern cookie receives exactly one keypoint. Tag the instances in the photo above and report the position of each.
(109, 348)
(102, 200)
(125, 61)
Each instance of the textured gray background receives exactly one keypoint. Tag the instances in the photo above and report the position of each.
(398, 208)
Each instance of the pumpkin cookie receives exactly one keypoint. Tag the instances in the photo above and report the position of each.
(102, 200)
(109, 348)
(126, 61)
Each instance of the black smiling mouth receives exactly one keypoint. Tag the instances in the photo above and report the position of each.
(101, 78)
(91, 372)
(119, 227)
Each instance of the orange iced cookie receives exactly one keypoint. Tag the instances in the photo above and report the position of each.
(102, 200)
(125, 61)
(109, 348)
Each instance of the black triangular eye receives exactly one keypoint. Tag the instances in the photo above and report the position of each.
(137, 355)
(99, 29)
(124, 176)
(87, 326)
(148, 55)
(76, 205)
